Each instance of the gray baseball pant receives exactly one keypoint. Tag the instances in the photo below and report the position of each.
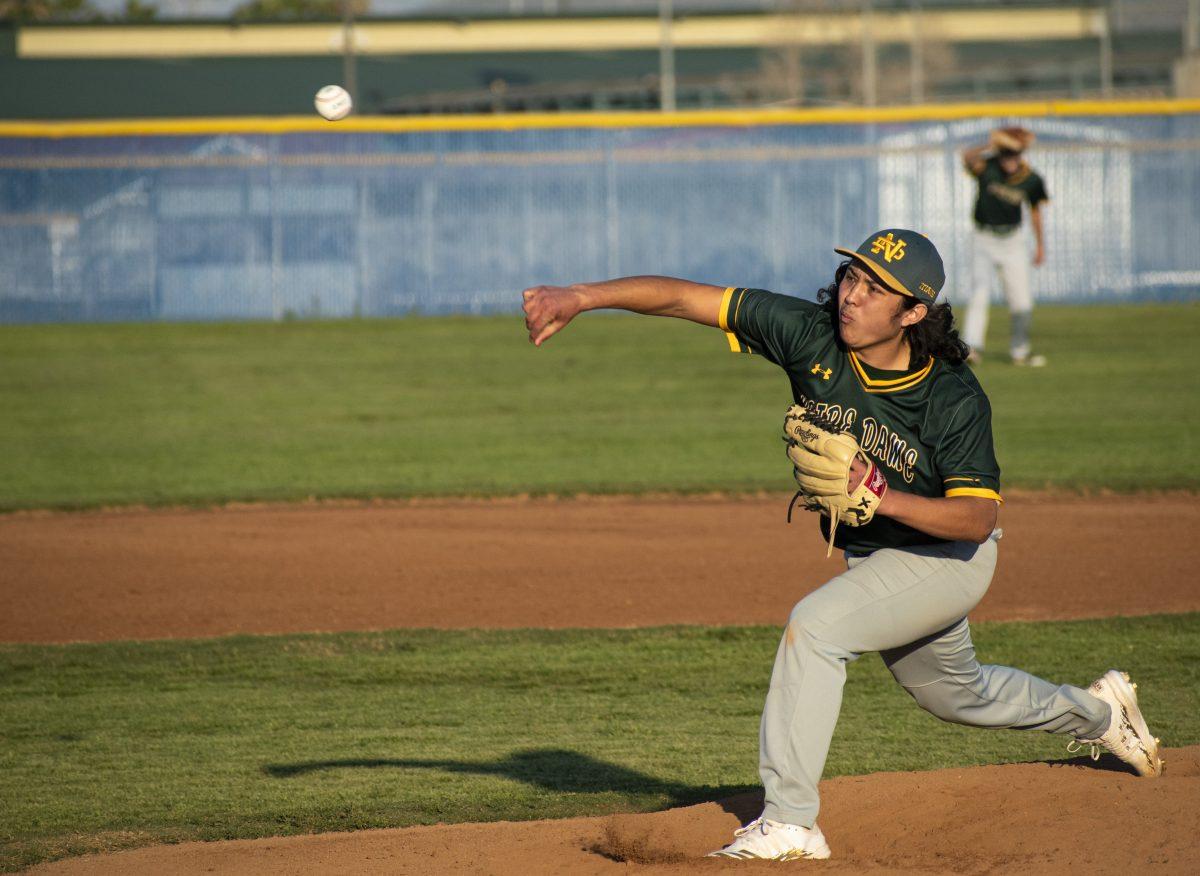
(909, 604)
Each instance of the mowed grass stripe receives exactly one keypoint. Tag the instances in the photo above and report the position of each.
(204, 413)
(110, 745)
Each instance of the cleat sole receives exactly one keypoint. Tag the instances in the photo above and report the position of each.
(1126, 694)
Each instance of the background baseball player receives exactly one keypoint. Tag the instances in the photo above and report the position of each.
(877, 363)
(1006, 183)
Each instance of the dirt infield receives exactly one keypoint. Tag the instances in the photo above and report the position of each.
(618, 563)
(1024, 818)
(565, 563)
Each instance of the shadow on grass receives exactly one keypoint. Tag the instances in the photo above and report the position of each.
(551, 768)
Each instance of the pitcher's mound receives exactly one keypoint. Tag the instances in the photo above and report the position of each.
(1047, 818)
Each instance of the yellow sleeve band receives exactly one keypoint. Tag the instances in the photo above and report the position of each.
(723, 313)
(974, 491)
(726, 324)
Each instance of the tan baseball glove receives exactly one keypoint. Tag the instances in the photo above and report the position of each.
(1013, 138)
(822, 456)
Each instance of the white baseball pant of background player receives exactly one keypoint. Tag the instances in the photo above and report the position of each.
(1007, 255)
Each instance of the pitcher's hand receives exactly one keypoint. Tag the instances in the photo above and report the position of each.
(548, 309)
(858, 470)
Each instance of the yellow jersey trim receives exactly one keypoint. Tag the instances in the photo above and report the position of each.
(643, 119)
(974, 491)
(723, 314)
(738, 307)
(897, 384)
(726, 323)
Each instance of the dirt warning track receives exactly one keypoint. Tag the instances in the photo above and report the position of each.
(597, 562)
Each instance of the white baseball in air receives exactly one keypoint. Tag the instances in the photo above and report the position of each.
(333, 102)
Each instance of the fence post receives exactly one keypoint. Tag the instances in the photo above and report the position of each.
(349, 59)
(666, 57)
(916, 53)
(612, 207)
(866, 25)
(361, 273)
(1106, 54)
(276, 246)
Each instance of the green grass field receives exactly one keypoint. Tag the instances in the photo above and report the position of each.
(108, 746)
(205, 413)
(111, 745)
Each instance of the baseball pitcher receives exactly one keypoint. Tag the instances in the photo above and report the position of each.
(890, 440)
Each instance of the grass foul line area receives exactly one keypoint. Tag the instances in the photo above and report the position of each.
(207, 413)
(107, 746)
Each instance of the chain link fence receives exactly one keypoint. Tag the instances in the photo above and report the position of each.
(387, 223)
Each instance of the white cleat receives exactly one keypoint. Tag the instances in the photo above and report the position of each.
(775, 841)
(1034, 361)
(1127, 735)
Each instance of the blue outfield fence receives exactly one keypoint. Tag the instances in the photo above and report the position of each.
(350, 221)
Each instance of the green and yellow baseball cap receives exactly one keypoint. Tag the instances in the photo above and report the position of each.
(905, 261)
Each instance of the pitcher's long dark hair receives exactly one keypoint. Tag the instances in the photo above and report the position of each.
(935, 335)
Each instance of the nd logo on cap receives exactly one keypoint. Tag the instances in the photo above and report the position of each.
(892, 249)
(904, 260)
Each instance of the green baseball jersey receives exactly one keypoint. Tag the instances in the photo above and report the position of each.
(929, 428)
(1001, 196)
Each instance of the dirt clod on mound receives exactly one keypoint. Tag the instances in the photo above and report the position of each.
(630, 839)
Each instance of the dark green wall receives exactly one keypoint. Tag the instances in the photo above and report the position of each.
(47, 89)
(124, 88)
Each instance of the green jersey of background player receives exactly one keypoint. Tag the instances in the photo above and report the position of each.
(878, 357)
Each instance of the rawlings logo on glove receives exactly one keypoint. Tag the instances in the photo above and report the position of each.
(822, 456)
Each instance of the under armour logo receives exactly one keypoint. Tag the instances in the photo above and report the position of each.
(893, 250)
(825, 373)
